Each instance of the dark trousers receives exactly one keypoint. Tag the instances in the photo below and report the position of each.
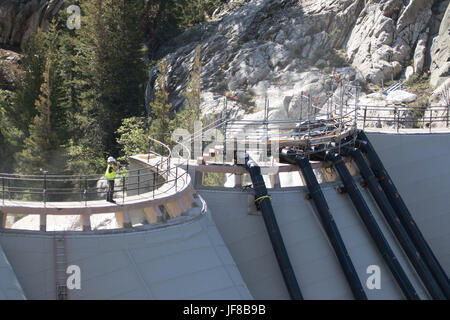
(110, 194)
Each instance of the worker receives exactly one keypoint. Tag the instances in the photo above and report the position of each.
(110, 175)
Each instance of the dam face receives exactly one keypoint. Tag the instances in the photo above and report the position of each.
(183, 261)
(225, 252)
(418, 165)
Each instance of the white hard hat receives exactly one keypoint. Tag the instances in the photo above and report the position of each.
(111, 159)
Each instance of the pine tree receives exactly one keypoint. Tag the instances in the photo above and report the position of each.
(23, 109)
(42, 82)
(192, 111)
(161, 126)
(41, 147)
(111, 43)
(9, 134)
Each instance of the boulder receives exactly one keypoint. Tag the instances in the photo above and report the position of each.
(441, 95)
(420, 53)
(20, 19)
(440, 52)
(400, 96)
(409, 72)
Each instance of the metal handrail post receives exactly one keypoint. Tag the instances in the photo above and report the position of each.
(85, 192)
(187, 167)
(45, 189)
(149, 147)
(123, 189)
(423, 117)
(448, 114)
(431, 118)
(396, 118)
(139, 182)
(365, 114)
(176, 178)
(154, 183)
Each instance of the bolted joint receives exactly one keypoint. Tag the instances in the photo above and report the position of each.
(341, 189)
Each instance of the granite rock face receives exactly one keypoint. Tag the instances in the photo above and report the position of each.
(440, 52)
(281, 48)
(19, 19)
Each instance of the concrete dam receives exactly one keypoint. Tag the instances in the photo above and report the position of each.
(271, 233)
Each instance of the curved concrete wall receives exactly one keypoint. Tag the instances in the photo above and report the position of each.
(10, 288)
(187, 260)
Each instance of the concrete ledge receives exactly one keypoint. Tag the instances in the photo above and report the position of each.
(143, 228)
(164, 194)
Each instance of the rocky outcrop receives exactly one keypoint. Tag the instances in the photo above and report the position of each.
(274, 48)
(19, 19)
(9, 69)
(420, 53)
(441, 95)
(280, 48)
(384, 37)
(440, 52)
(400, 96)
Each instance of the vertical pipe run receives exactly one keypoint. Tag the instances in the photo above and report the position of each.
(395, 224)
(264, 202)
(403, 213)
(372, 226)
(330, 227)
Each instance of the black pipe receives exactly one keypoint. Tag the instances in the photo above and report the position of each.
(372, 226)
(395, 224)
(263, 201)
(403, 213)
(330, 226)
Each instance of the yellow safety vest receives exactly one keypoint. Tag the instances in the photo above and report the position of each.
(110, 175)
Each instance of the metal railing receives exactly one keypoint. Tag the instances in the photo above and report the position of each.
(318, 128)
(404, 117)
(146, 182)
